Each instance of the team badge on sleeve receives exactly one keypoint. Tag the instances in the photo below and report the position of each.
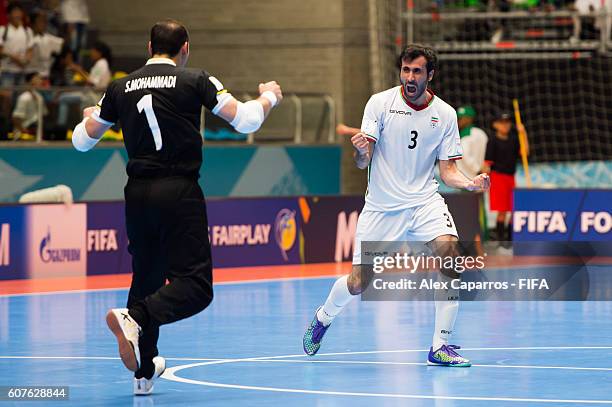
(100, 101)
(217, 83)
(370, 127)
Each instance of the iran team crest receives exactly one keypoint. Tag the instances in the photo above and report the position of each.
(434, 122)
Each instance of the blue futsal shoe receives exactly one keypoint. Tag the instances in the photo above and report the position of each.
(446, 356)
(314, 335)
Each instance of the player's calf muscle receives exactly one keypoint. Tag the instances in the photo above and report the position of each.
(359, 279)
(446, 246)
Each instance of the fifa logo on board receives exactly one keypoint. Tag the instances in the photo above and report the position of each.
(285, 231)
(540, 221)
(102, 240)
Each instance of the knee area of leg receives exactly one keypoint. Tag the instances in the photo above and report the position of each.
(207, 296)
(447, 304)
(360, 279)
(203, 295)
(354, 285)
(201, 303)
(450, 250)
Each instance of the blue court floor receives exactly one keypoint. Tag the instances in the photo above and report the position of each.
(245, 350)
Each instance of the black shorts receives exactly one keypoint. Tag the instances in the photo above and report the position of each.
(167, 227)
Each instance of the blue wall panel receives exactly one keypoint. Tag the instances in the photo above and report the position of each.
(99, 174)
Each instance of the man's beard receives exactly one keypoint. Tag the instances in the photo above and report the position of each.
(419, 91)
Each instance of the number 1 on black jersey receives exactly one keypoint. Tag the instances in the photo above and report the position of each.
(146, 103)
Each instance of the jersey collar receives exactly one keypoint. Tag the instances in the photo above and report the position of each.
(153, 61)
(418, 107)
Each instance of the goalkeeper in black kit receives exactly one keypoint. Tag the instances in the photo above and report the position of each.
(159, 108)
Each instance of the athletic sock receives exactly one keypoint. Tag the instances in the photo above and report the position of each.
(147, 370)
(446, 314)
(338, 297)
(500, 227)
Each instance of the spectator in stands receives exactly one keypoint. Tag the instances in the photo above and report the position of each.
(473, 142)
(587, 26)
(15, 48)
(97, 79)
(28, 7)
(75, 16)
(30, 110)
(45, 47)
(503, 151)
(51, 8)
(100, 74)
(61, 75)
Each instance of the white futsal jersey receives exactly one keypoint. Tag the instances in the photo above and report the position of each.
(409, 140)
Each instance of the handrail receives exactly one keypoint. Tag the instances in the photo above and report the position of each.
(485, 15)
(574, 18)
(297, 135)
(40, 103)
(295, 98)
(53, 88)
(331, 109)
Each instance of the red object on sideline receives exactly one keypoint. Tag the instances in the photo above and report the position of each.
(500, 195)
(3, 14)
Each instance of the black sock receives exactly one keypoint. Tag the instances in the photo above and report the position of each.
(500, 231)
(147, 370)
(140, 315)
(509, 232)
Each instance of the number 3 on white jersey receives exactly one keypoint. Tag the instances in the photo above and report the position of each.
(146, 104)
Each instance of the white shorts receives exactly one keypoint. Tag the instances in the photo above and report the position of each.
(417, 224)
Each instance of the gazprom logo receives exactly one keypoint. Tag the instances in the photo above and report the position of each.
(5, 244)
(49, 254)
(540, 221)
(285, 228)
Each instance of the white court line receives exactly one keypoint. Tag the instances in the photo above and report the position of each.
(98, 358)
(479, 349)
(94, 290)
(360, 362)
(301, 355)
(61, 357)
(85, 290)
(170, 374)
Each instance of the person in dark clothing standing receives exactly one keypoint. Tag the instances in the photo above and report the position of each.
(159, 109)
(503, 151)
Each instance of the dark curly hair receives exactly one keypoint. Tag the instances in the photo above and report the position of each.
(413, 51)
(104, 50)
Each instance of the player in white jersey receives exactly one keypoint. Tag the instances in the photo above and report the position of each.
(404, 131)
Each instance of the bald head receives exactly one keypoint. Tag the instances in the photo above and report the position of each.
(167, 37)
